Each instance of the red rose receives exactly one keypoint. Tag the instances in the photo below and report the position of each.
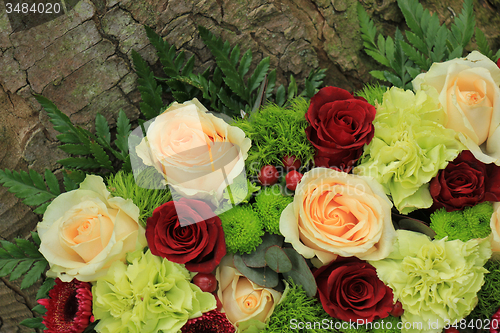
(349, 289)
(465, 182)
(340, 125)
(200, 246)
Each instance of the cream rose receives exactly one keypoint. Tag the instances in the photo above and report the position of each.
(197, 153)
(335, 213)
(83, 231)
(242, 299)
(495, 229)
(470, 94)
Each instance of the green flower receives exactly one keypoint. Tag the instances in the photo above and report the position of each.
(410, 146)
(269, 205)
(436, 281)
(150, 294)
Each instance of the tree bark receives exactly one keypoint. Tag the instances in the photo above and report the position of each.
(82, 62)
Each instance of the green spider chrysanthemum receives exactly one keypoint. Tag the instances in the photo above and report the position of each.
(242, 229)
(269, 204)
(151, 294)
(472, 222)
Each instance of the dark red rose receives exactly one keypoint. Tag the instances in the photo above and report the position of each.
(465, 182)
(200, 246)
(340, 125)
(349, 289)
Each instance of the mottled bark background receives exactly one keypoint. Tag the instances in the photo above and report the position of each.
(82, 62)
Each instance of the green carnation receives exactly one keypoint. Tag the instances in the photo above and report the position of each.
(472, 222)
(269, 204)
(436, 281)
(242, 229)
(409, 147)
(150, 294)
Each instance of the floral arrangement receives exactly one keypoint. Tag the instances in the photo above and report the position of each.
(377, 211)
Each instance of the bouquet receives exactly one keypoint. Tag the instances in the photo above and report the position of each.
(277, 211)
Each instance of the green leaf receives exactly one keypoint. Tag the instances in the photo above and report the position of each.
(263, 276)
(34, 274)
(393, 79)
(368, 30)
(188, 67)
(258, 74)
(52, 182)
(20, 269)
(280, 96)
(165, 52)
(8, 267)
(292, 88)
(463, 25)
(44, 289)
(257, 258)
(40, 309)
(122, 133)
(75, 149)
(482, 45)
(100, 156)
(29, 187)
(246, 61)
(378, 57)
(61, 122)
(152, 103)
(36, 238)
(300, 273)
(232, 78)
(79, 163)
(277, 260)
(102, 128)
(33, 323)
(69, 184)
(235, 55)
(412, 11)
(271, 83)
(378, 75)
(12, 249)
(28, 248)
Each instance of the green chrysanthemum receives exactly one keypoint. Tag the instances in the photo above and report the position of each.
(242, 229)
(436, 281)
(269, 204)
(472, 222)
(410, 146)
(150, 294)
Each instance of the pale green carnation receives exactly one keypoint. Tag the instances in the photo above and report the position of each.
(409, 147)
(436, 281)
(151, 294)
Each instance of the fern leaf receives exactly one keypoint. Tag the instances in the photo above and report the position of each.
(72, 178)
(412, 11)
(220, 51)
(246, 61)
(439, 48)
(280, 96)
(165, 52)
(235, 56)
(368, 29)
(100, 156)
(463, 25)
(33, 323)
(482, 44)
(102, 129)
(29, 187)
(75, 149)
(258, 74)
(122, 132)
(271, 83)
(188, 67)
(79, 163)
(34, 274)
(61, 121)
(150, 90)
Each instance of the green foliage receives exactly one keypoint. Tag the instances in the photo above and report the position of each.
(275, 132)
(426, 41)
(269, 204)
(484, 47)
(242, 229)
(31, 187)
(22, 258)
(152, 104)
(472, 222)
(229, 87)
(372, 93)
(295, 304)
(81, 142)
(489, 295)
(271, 262)
(122, 184)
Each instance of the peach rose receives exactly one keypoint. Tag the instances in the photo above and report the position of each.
(242, 299)
(197, 153)
(469, 92)
(335, 213)
(495, 228)
(84, 231)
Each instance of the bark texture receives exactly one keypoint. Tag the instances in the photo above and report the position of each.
(82, 62)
